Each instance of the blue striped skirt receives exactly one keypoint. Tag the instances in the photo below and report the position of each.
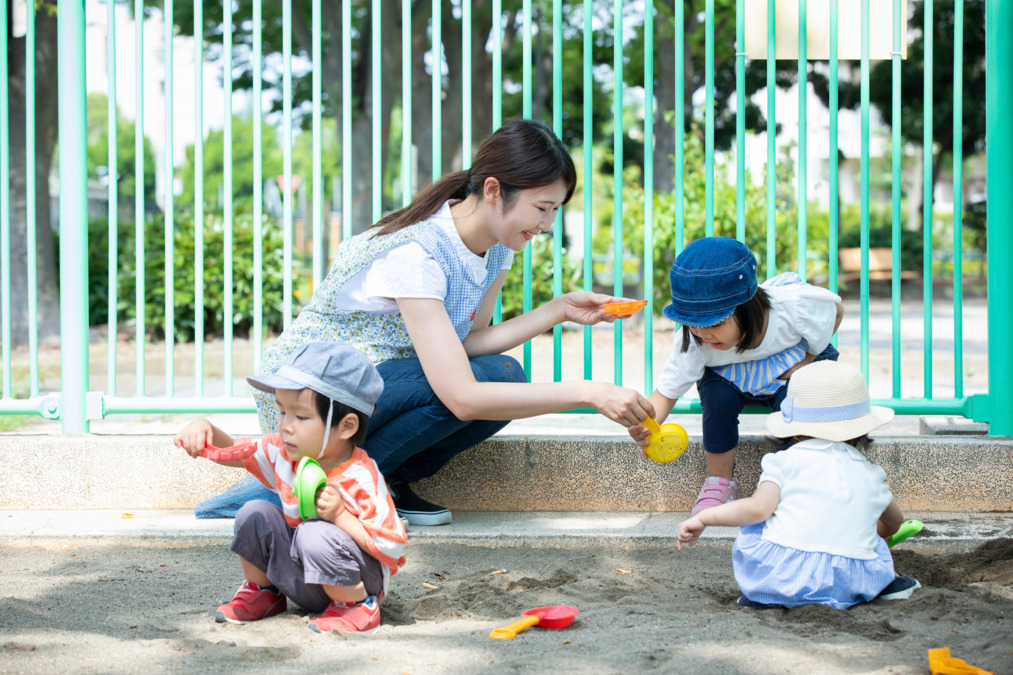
(773, 574)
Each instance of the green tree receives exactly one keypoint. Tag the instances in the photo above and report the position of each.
(786, 219)
(912, 78)
(242, 165)
(98, 151)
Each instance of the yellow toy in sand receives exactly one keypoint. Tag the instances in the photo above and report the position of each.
(941, 663)
(667, 441)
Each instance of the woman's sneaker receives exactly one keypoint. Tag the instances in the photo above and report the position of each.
(715, 491)
(251, 604)
(900, 588)
(360, 617)
(415, 509)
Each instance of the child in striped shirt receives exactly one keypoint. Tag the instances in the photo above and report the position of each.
(339, 563)
(813, 531)
(740, 344)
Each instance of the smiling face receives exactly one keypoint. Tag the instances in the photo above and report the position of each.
(531, 213)
(723, 335)
(300, 426)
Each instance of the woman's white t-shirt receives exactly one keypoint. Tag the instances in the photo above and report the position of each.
(408, 271)
(798, 312)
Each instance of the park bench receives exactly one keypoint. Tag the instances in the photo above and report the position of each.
(880, 265)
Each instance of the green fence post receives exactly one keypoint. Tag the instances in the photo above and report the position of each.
(32, 226)
(771, 114)
(999, 140)
(557, 127)
(73, 218)
(927, 161)
(5, 209)
(588, 168)
(649, 197)
(803, 90)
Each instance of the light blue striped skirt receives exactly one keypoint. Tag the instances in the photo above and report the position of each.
(773, 574)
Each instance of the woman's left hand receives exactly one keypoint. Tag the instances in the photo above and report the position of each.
(585, 307)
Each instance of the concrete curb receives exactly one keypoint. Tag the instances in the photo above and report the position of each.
(944, 532)
(505, 473)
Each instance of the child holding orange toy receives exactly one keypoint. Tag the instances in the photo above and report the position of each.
(339, 563)
(740, 344)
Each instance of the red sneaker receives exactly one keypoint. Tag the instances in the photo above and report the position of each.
(364, 616)
(251, 604)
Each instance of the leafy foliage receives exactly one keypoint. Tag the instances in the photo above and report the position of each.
(126, 159)
(185, 275)
(694, 209)
(541, 277)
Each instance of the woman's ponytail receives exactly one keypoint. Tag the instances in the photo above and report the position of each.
(521, 154)
(452, 186)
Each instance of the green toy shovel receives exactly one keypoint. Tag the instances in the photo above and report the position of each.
(908, 528)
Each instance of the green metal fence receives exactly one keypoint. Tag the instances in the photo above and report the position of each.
(75, 404)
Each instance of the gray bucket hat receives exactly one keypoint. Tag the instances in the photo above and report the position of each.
(336, 370)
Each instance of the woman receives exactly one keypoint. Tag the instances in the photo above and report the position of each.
(416, 294)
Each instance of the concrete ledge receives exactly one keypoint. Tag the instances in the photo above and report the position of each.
(506, 473)
(950, 425)
(595, 473)
(944, 532)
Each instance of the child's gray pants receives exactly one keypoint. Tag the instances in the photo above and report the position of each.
(300, 560)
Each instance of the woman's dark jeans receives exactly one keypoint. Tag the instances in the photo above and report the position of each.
(412, 434)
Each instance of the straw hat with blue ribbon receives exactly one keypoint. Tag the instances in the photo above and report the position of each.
(827, 400)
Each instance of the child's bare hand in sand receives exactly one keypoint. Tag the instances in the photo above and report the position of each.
(689, 531)
(330, 506)
(194, 437)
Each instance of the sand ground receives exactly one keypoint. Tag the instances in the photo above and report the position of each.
(102, 605)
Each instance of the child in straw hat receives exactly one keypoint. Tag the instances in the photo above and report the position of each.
(813, 531)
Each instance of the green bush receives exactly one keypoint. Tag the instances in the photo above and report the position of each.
(184, 276)
(541, 278)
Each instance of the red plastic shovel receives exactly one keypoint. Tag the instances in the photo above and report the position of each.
(557, 616)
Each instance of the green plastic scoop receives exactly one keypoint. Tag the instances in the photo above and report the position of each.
(908, 528)
(309, 478)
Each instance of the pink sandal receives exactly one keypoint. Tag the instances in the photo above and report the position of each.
(715, 491)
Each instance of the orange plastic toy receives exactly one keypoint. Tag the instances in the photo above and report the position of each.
(236, 453)
(624, 308)
(668, 441)
(941, 663)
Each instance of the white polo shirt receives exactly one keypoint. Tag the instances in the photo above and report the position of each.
(831, 499)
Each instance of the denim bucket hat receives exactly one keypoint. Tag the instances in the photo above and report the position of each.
(336, 370)
(710, 278)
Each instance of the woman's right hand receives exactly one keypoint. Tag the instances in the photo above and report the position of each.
(624, 406)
